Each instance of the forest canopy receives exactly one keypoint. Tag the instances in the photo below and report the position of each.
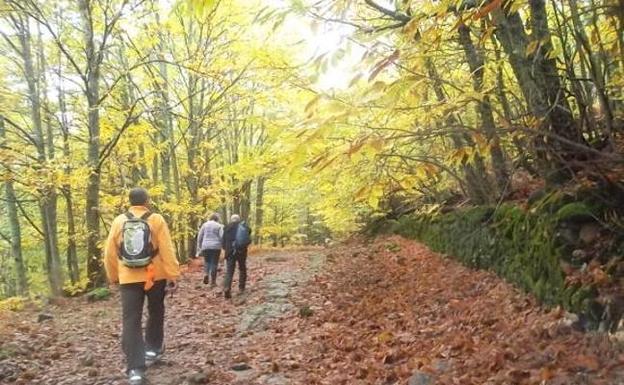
(308, 118)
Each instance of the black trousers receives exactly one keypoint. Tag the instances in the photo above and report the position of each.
(232, 257)
(132, 342)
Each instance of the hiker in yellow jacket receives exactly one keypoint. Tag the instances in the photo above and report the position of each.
(140, 257)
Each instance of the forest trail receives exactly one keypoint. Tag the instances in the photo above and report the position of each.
(385, 312)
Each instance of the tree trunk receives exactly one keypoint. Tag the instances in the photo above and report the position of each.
(578, 90)
(193, 224)
(245, 205)
(72, 255)
(16, 231)
(540, 84)
(166, 119)
(477, 183)
(519, 143)
(52, 196)
(596, 72)
(92, 204)
(475, 61)
(620, 31)
(258, 222)
(47, 205)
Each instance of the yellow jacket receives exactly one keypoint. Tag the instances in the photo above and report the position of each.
(165, 264)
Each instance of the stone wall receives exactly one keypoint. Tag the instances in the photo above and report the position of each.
(552, 247)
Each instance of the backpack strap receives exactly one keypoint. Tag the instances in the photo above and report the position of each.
(129, 215)
(144, 217)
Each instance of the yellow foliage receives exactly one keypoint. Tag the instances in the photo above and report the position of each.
(71, 289)
(13, 303)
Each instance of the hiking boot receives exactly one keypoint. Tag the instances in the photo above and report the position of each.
(227, 294)
(136, 377)
(206, 279)
(213, 284)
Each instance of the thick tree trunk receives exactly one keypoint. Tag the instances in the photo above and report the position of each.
(94, 254)
(92, 204)
(501, 94)
(16, 231)
(541, 86)
(475, 61)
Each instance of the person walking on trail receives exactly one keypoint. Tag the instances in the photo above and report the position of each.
(140, 257)
(236, 240)
(209, 242)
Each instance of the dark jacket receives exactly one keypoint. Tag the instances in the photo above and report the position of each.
(229, 235)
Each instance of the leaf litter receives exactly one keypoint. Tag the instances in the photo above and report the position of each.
(387, 311)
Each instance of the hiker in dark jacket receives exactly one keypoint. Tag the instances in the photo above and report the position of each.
(235, 253)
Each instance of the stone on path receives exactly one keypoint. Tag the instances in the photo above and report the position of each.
(240, 367)
(44, 317)
(420, 378)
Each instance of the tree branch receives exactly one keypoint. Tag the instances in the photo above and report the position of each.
(38, 16)
(108, 148)
(27, 217)
(403, 18)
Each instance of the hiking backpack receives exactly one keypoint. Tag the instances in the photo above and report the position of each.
(243, 236)
(136, 246)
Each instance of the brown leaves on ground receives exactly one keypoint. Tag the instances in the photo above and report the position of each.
(374, 314)
(393, 307)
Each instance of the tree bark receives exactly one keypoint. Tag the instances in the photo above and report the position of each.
(92, 204)
(259, 220)
(14, 226)
(47, 205)
(477, 183)
(51, 193)
(245, 201)
(476, 63)
(72, 255)
(541, 86)
(596, 72)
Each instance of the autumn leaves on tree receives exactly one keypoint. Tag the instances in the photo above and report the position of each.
(307, 118)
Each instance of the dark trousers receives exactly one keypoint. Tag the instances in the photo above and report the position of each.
(231, 258)
(211, 263)
(132, 342)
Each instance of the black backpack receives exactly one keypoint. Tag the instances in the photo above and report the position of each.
(136, 246)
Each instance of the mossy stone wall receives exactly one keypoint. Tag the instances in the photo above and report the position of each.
(526, 246)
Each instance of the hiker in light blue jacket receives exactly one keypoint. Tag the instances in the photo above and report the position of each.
(209, 241)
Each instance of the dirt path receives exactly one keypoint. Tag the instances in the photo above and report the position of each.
(205, 335)
(390, 312)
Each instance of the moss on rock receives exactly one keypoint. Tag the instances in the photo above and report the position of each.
(524, 246)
